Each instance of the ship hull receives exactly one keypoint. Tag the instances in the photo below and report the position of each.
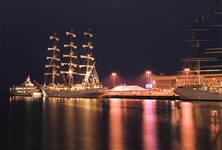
(25, 92)
(18, 93)
(92, 93)
(197, 94)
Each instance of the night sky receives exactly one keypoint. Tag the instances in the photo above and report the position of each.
(129, 35)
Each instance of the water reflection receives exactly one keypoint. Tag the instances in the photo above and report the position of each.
(77, 123)
(116, 124)
(53, 122)
(149, 125)
(93, 124)
(215, 128)
(187, 127)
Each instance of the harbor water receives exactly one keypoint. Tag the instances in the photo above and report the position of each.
(92, 124)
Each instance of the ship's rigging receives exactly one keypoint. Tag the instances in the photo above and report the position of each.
(89, 74)
(77, 67)
(71, 60)
(205, 45)
(54, 60)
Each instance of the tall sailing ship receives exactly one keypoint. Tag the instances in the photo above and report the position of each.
(206, 61)
(74, 73)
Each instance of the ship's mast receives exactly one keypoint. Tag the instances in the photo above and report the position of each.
(195, 45)
(199, 41)
(70, 65)
(54, 60)
(90, 73)
(205, 44)
(215, 49)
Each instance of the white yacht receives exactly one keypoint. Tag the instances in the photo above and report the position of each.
(25, 89)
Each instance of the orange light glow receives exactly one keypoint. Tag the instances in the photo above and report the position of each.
(113, 74)
(187, 126)
(187, 69)
(116, 128)
(150, 138)
(148, 72)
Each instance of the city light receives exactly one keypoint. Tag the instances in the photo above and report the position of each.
(114, 74)
(187, 70)
(148, 73)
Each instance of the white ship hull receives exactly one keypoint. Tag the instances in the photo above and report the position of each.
(25, 91)
(90, 93)
(190, 93)
(21, 93)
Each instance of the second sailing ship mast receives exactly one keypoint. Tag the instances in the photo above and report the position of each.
(70, 65)
(198, 45)
(54, 61)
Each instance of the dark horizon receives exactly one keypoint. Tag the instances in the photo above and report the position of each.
(129, 37)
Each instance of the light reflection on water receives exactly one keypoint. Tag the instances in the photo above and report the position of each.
(93, 124)
(149, 125)
(116, 124)
(187, 126)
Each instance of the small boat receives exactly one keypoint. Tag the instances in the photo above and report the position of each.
(25, 89)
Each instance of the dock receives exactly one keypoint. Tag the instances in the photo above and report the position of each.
(137, 92)
(158, 97)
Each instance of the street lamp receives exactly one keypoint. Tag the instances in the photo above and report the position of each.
(114, 78)
(148, 73)
(153, 83)
(187, 70)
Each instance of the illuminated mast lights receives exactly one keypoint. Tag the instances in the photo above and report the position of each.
(90, 74)
(54, 61)
(70, 65)
(149, 83)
